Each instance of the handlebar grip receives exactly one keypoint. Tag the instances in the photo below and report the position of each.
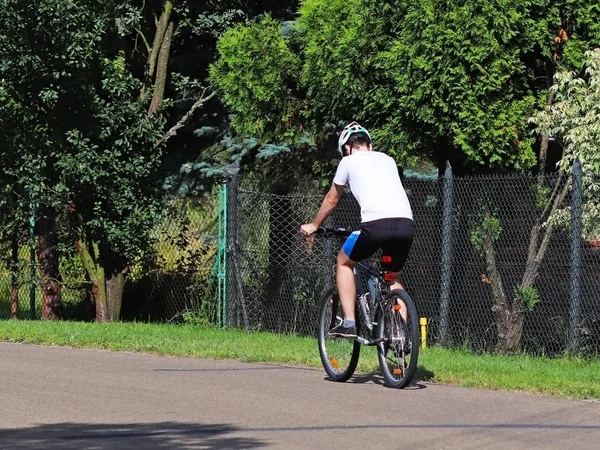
(333, 231)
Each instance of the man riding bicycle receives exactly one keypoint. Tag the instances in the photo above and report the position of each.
(386, 217)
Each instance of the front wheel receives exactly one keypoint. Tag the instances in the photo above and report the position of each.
(338, 355)
(399, 350)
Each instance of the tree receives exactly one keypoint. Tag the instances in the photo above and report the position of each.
(44, 62)
(431, 79)
(11, 212)
(97, 95)
(82, 147)
(574, 119)
(198, 141)
(258, 75)
(108, 179)
(560, 119)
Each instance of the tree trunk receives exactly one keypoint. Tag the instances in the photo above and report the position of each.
(159, 35)
(115, 271)
(501, 309)
(161, 71)
(514, 331)
(99, 299)
(106, 271)
(91, 258)
(508, 316)
(48, 257)
(544, 145)
(14, 278)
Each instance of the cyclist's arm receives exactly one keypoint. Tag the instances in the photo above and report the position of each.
(329, 203)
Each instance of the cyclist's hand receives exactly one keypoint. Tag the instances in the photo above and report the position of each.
(307, 230)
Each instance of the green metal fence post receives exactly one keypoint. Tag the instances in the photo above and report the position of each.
(222, 257)
(31, 257)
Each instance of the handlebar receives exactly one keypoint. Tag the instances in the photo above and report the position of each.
(328, 232)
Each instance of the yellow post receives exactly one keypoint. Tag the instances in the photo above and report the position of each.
(423, 322)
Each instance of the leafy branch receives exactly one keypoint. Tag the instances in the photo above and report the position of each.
(173, 130)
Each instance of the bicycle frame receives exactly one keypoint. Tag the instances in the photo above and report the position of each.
(360, 289)
(378, 300)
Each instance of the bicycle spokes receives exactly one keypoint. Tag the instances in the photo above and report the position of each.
(397, 331)
(338, 355)
(397, 352)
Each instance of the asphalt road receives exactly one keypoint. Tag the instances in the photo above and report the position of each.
(62, 398)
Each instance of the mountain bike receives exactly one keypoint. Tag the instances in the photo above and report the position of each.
(385, 318)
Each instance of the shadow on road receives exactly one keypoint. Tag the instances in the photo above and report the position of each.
(225, 369)
(250, 367)
(376, 378)
(367, 378)
(171, 435)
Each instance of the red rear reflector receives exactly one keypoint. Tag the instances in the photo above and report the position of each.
(386, 259)
(388, 276)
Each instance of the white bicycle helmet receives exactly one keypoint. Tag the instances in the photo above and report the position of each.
(349, 130)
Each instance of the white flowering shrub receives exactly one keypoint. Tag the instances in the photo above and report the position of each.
(574, 119)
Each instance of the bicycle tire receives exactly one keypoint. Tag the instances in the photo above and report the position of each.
(339, 356)
(398, 357)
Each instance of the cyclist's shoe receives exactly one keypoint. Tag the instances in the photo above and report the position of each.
(341, 331)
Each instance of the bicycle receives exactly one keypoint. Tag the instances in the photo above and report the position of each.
(379, 321)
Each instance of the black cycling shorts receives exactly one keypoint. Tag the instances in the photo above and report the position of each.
(393, 236)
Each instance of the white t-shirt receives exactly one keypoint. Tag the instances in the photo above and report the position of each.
(375, 183)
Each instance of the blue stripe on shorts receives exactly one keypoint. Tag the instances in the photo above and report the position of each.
(349, 244)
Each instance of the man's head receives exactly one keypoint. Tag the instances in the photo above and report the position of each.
(353, 137)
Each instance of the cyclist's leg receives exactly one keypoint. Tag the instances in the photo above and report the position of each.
(358, 246)
(396, 283)
(398, 247)
(346, 284)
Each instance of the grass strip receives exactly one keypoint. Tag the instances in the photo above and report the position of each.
(576, 378)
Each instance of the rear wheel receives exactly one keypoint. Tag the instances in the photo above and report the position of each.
(399, 351)
(338, 355)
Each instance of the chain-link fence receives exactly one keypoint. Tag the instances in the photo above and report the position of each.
(21, 288)
(179, 282)
(497, 262)
(501, 262)
(175, 280)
